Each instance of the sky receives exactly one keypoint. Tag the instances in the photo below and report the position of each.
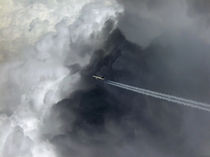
(51, 106)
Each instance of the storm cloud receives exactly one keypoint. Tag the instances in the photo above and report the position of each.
(170, 56)
(61, 111)
(133, 124)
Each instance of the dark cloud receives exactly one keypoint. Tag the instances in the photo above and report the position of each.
(107, 121)
(156, 52)
(200, 10)
(201, 6)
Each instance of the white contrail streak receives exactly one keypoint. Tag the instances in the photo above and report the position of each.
(170, 98)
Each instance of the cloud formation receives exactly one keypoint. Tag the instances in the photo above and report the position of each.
(24, 22)
(54, 37)
(50, 105)
(168, 53)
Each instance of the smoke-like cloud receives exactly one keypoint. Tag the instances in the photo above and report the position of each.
(106, 121)
(50, 105)
(43, 43)
(24, 22)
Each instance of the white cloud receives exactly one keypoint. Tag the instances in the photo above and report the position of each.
(42, 38)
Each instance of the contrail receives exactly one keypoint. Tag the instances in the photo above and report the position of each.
(170, 98)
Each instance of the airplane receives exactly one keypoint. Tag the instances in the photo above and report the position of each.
(98, 77)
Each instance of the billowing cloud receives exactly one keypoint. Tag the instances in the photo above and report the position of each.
(43, 41)
(51, 106)
(24, 22)
(105, 120)
(168, 53)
